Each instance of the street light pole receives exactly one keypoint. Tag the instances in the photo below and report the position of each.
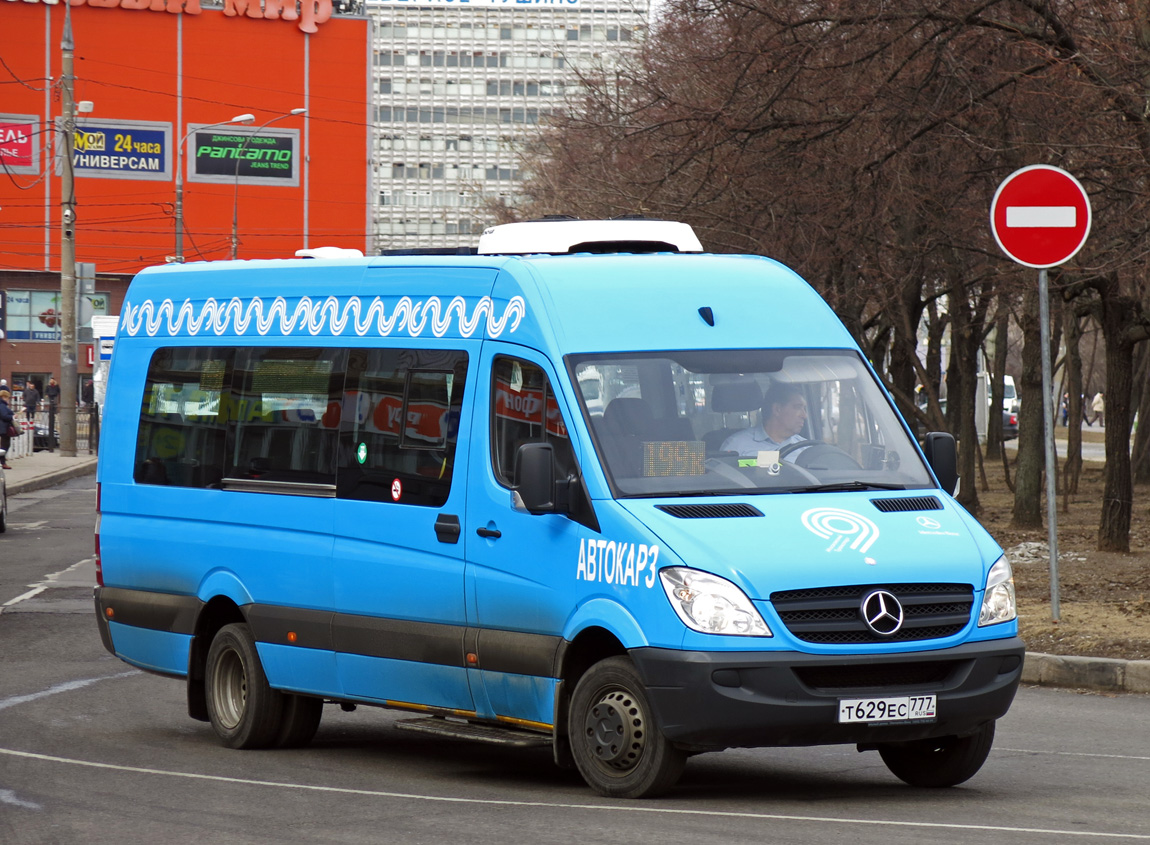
(178, 258)
(68, 376)
(236, 192)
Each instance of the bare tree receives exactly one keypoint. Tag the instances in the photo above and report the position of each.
(860, 141)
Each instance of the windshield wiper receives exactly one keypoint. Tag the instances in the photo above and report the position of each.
(850, 485)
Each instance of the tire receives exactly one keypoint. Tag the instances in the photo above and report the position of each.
(617, 747)
(244, 711)
(934, 763)
(301, 715)
(4, 511)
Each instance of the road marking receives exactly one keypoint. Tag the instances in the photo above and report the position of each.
(28, 526)
(1073, 754)
(35, 591)
(1041, 216)
(599, 808)
(7, 796)
(67, 686)
(50, 580)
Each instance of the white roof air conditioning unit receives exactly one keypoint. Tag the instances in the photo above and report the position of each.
(562, 236)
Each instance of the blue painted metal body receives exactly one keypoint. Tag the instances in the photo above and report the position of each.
(546, 575)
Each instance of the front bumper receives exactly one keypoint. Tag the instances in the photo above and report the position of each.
(713, 700)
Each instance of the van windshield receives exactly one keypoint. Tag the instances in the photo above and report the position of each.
(724, 422)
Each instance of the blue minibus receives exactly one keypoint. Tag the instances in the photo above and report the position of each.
(585, 486)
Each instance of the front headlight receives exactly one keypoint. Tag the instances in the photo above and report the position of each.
(998, 602)
(710, 604)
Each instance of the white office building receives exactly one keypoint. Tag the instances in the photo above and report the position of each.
(458, 86)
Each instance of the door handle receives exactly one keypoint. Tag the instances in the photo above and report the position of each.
(489, 533)
(447, 528)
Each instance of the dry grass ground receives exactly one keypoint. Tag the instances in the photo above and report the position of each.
(1104, 597)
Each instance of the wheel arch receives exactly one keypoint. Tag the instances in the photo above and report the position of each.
(219, 611)
(598, 629)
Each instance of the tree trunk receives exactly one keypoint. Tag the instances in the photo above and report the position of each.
(1073, 467)
(962, 384)
(1120, 314)
(1028, 478)
(1140, 454)
(903, 348)
(994, 443)
(935, 332)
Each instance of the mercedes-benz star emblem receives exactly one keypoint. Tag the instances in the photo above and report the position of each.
(882, 612)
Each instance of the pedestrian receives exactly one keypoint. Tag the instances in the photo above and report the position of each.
(52, 394)
(31, 400)
(1099, 408)
(7, 419)
(1065, 408)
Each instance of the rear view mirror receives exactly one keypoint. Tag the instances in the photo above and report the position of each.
(942, 455)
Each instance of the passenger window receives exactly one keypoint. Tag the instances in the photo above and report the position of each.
(524, 410)
(285, 409)
(400, 425)
(183, 418)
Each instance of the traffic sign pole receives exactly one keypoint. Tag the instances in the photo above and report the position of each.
(1040, 217)
(1051, 465)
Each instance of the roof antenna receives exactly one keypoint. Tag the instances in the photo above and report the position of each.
(708, 315)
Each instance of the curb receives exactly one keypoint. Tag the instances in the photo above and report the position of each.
(1095, 673)
(51, 479)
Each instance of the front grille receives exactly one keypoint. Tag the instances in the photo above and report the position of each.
(709, 511)
(931, 673)
(831, 615)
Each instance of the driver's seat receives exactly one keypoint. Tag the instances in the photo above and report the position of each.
(731, 397)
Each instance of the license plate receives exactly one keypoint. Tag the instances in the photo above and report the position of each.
(898, 709)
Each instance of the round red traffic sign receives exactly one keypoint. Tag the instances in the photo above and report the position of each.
(1040, 216)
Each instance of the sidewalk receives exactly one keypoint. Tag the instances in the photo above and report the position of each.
(45, 469)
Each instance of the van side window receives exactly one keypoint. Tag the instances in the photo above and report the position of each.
(183, 417)
(285, 412)
(524, 410)
(400, 423)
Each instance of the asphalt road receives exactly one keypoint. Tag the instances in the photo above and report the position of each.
(94, 751)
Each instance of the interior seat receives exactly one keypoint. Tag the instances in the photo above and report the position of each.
(731, 397)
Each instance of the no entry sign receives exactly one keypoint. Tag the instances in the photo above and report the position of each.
(1040, 216)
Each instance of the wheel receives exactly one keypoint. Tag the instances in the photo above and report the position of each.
(617, 747)
(244, 711)
(3, 511)
(301, 715)
(947, 761)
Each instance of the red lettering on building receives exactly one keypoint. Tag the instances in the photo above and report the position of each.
(309, 14)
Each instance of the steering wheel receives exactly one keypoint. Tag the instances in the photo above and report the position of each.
(794, 447)
(815, 448)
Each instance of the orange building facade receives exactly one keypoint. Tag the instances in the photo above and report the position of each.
(153, 81)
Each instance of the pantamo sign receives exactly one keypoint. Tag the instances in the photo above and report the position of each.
(269, 158)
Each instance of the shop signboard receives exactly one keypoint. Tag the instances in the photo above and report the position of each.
(231, 155)
(120, 149)
(19, 147)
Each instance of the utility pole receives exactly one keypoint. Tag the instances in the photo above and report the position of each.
(67, 249)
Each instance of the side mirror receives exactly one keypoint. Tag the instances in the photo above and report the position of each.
(942, 455)
(535, 478)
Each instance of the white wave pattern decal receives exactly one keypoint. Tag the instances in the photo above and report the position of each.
(845, 527)
(329, 315)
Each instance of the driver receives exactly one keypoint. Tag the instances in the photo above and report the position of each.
(784, 414)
